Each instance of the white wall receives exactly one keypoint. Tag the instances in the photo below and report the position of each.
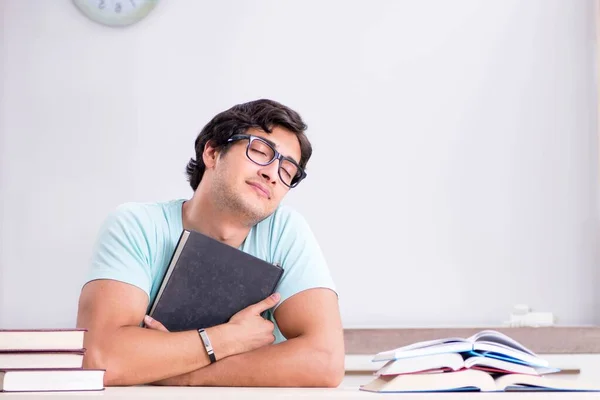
(455, 165)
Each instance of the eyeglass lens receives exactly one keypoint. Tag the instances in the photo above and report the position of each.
(261, 153)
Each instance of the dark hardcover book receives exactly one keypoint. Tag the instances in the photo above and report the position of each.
(208, 281)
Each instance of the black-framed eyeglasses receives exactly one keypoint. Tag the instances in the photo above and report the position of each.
(261, 152)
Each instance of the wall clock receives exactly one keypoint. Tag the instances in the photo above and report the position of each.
(115, 12)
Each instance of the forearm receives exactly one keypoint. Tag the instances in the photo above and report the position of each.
(294, 363)
(132, 355)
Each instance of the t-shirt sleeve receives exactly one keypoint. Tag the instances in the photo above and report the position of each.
(301, 258)
(121, 251)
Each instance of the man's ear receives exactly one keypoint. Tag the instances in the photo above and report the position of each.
(210, 154)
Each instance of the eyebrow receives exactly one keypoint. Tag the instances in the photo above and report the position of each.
(272, 143)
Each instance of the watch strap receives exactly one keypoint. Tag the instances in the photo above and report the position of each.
(207, 345)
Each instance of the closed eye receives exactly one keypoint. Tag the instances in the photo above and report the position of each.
(258, 152)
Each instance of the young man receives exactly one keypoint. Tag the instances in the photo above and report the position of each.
(247, 159)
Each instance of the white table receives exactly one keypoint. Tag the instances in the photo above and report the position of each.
(343, 392)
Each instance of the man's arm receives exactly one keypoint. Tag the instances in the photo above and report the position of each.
(111, 311)
(313, 355)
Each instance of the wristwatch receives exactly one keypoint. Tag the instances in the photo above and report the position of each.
(207, 345)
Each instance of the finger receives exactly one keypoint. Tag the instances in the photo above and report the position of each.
(151, 323)
(265, 304)
(269, 325)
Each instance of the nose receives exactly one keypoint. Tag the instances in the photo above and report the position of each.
(269, 172)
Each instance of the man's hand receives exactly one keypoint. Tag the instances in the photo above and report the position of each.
(251, 330)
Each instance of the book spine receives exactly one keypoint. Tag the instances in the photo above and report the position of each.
(170, 266)
(278, 278)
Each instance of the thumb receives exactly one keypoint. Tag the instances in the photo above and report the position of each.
(265, 304)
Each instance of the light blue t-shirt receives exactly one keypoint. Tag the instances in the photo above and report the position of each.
(136, 242)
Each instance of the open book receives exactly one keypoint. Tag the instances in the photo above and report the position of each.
(471, 380)
(448, 362)
(486, 343)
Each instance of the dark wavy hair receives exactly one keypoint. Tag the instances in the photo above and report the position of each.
(262, 114)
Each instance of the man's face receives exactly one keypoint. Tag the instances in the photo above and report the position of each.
(250, 190)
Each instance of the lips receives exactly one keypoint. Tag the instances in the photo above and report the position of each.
(261, 188)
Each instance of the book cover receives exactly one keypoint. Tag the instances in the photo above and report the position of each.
(208, 281)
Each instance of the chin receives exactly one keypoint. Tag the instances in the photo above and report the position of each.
(256, 212)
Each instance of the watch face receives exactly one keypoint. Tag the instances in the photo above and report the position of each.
(115, 12)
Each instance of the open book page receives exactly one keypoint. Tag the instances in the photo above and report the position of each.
(518, 382)
(487, 343)
(465, 380)
(454, 362)
(497, 365)
(430, 343)
(433, 362)
(472, 380)
(495, 337)
(451, 347)
(496, 344)
(510, 354)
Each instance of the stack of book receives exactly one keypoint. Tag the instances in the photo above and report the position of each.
(45, 360)
(488, 361)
